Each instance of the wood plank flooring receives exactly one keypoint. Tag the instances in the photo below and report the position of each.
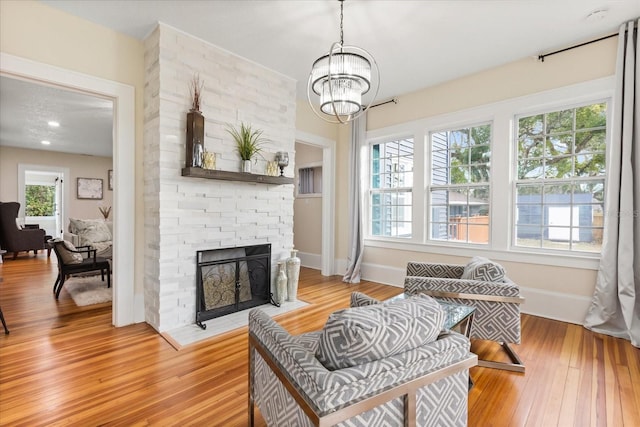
(66, 365)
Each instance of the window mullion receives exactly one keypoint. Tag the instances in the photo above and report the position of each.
(501, 195)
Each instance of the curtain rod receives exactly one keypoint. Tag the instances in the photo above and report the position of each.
(541, 57)
(394, 100)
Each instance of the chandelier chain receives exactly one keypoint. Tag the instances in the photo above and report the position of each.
(341, 18)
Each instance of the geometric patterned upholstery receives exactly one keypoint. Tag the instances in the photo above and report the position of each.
(440, 403)
(355, 336)
(480, 268)
(358, 299)
(492, 320)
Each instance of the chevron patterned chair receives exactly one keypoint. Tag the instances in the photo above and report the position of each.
(480, 283)
(386, 364)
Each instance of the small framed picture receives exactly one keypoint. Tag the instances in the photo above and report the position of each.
(89, 188)
(110, 180)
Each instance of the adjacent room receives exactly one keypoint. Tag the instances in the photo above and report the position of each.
(322, 212)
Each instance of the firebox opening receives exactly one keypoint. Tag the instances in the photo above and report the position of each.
(232, 279)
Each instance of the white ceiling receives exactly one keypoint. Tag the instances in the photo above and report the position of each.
(416, 43)
(86, 122)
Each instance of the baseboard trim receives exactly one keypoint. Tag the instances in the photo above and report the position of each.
(310, 260)
(538, 302)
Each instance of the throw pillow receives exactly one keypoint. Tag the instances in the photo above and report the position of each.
(358, 299)
(364, 334)
(90, 230)
(69, 257)
(480, 268)
(99, 232)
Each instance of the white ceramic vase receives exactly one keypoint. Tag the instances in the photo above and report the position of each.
(293, 275)
(246, 166)
(281, 283)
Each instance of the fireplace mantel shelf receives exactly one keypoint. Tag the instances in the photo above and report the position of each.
(235, 176)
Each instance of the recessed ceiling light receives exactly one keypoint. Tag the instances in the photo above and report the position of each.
(53, 124)
(45, 142)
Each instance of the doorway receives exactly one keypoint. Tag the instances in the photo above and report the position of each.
(327, 208)
(43, 194)
(127, 309)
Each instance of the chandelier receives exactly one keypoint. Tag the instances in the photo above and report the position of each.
(339, 80)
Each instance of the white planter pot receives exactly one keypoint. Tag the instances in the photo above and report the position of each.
(246, 166)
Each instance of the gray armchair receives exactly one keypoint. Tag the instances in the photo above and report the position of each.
(294, 380)
(496, 298)
(12, 239)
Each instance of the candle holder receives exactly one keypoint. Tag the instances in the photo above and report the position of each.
(282, 157)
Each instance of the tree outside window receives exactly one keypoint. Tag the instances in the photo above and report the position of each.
(40, 200)
(560, 179)
(460, 177)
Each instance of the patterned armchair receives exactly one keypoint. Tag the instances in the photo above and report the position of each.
(482, 284)
(365, 368)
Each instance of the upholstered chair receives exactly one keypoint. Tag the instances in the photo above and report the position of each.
(13, 239)
(380, 364)
(480, 283)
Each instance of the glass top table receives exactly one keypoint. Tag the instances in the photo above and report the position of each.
(457, 317)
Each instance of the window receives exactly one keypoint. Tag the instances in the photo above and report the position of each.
(310, 180)
(560, 179)
(459, 191)
(390, 188)
(40, 200)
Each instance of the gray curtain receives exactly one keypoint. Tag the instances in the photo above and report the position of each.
(615, 308)
(356, 238)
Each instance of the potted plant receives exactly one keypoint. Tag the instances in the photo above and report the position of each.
(248, 143)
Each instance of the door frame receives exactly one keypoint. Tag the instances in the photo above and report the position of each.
(328, 147)
(23, 168)
(123, 97)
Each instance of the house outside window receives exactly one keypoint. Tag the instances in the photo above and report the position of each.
(460, 184)
(560, 178)
(390, 197)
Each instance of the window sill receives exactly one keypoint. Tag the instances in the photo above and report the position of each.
(572, 260)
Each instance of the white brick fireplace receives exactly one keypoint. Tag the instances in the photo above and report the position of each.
(185, 214)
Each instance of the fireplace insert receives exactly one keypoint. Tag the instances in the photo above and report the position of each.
(232, 279)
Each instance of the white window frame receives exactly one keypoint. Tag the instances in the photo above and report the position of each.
(368, 190)
(553, 181)
(452, 187)
(503, 115)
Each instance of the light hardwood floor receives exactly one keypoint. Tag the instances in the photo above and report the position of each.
(65, 365)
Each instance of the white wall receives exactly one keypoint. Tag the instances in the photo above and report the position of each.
(183, 214)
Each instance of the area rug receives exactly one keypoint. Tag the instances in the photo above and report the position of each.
(191, 334)
(88, 290)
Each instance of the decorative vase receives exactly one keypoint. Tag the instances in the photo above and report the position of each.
(195, 134)
(197, 154)
(293, 274)
(281, 283)
(246, 166)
